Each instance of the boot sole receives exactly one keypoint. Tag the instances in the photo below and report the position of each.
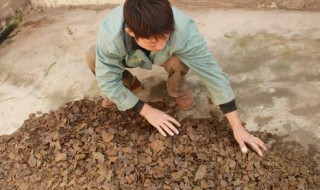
(186, 108)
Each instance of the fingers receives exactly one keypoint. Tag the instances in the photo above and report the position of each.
(167, 125)
(261, 144)
(166, 129)
(243, 147)
(256, 148)
(174, 121)
(161, 131)
(255, 143)
(171, 127)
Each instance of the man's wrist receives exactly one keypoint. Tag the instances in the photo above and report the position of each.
(234, 120)
(228, 107)
(145, 109)
(137, 108)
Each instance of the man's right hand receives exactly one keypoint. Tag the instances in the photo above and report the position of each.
(160, 120)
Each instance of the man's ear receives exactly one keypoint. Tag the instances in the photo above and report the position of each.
(129, 31)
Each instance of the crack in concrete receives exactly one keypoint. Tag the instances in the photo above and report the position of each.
(7, 77)
(38, 97)
(48, 69)
(45, 74)
(49, 97)
(1, 101)
(39, 81)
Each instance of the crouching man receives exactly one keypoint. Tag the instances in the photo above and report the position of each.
(145, 33)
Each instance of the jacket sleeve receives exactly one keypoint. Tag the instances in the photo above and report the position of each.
(193, 52)
(109, 69)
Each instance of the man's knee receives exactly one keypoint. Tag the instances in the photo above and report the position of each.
(91, 59)
(174, 64)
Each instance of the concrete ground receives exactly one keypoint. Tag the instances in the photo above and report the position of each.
(272, 58)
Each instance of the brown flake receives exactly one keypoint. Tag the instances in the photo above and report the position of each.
(157, 146)
(107, 137)
(32, 162)
(201, 172)
(177, 175)
(61, 156)
(98, 156)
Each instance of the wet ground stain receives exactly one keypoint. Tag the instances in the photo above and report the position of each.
(303, 136)
(308, 110)
(263, 120)
(159, 91)
(256, 97)
(287, 58)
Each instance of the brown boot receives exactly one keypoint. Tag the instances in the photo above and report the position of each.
(129, 81)
(185, 101)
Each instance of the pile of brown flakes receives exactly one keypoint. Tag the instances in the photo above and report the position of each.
(83, 146)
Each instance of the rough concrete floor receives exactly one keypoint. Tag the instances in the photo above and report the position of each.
(272, 58)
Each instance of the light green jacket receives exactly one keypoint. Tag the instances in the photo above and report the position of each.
(186, 43)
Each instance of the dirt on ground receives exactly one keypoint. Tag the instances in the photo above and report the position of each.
(84, 146)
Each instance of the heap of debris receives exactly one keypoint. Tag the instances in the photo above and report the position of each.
(84, 146)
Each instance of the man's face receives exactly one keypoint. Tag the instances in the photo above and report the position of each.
(153, 44)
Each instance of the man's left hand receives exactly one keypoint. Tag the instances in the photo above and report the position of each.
(242, 136)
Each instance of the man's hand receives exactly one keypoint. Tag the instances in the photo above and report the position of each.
(243, 137)
(160, 120)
